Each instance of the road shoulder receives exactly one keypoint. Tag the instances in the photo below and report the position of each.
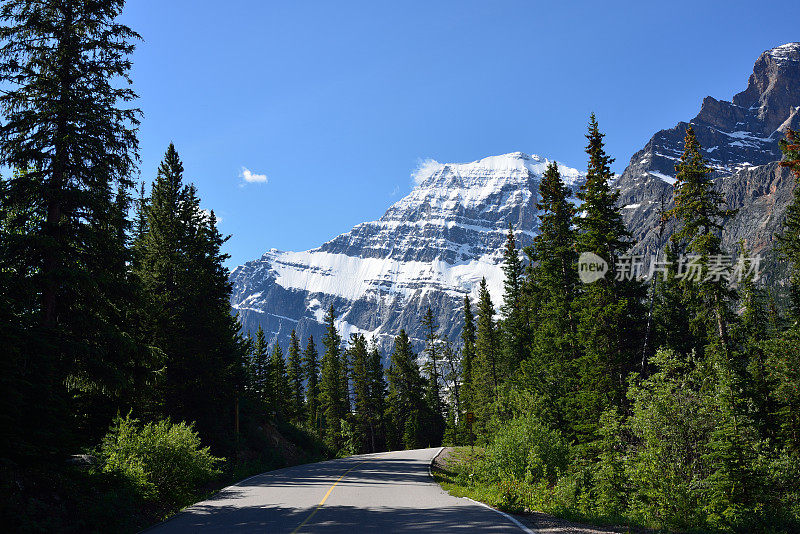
(538, 522)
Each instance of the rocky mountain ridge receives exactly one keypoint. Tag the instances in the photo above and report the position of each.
(433, 246)
(430, 248)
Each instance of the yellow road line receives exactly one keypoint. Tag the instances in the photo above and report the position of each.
(325, 498)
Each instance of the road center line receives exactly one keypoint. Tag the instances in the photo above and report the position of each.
(325, 498)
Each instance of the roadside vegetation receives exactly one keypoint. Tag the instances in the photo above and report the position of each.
(668, 404)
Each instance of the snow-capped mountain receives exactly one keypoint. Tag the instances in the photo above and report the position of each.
(430, 248)
(740, 140)
(433, 246)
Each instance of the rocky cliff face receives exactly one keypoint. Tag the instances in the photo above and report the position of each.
(429, 249)
(432, 247)
(740, 140)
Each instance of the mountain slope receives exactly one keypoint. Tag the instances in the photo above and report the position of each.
(433, 246)
(740, 140)
(429, 249)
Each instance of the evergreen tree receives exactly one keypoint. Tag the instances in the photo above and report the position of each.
(140, 219)
(311, 373)
(433, 395)
(602, 230)
(485, 372)
(363, 416)
(698, 210)
(72, 140)
(377, 395)
(514, 327)
(279, 383)
(295, 377)
(331, 388)
(261, 371)
(188, 315)
(467, 358)
(551, 287)
(608, 311)
(406, 406)
(789, 241)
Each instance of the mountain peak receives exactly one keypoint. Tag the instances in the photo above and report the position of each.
(513, 165)
(785, 52)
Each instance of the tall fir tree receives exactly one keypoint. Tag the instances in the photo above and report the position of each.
(551, 287)
(515, 333)
(608, 310)
(311, 374)
(331, 387)
(181, 266)
(295, 378)
(279, 384)
(467, 357)
(68, 132)
(261, 371)
(700, 215)
(485, 371)
(405, 402)
(362, 402)
(377, 395)
(432, 367)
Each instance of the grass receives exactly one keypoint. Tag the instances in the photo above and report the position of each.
(460, 476)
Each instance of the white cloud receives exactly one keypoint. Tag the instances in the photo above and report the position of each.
(424, 169)
(251, 177)
(395, 191)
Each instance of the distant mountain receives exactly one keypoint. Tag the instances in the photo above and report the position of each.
(433, 246)
(740, 140)
(429, 249)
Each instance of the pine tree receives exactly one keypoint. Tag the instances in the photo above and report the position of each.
(432, 368)
(363, 416)
(73, 142)
(331, 387)
(406, 407)
(608, 310)
(467, 367)
(279, 383)
(180, 265)
(698, 210)
(261, 371)
(789, 241)
(485, 371)
(295, 377)
(377, 394)
(514, 328)
(467, 357)
(551, 288)
(454, 411)
(311, 373)
(140, 219)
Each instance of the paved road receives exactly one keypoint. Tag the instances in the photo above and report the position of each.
(386, 492)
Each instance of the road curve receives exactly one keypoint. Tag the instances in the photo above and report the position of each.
(384, 492)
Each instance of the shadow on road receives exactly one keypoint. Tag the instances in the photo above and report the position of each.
(342, 519)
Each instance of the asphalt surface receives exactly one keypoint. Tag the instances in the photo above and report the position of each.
(385, 492)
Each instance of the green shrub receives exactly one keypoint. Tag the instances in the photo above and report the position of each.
(510, 496)
(163, 460)
(525, 449)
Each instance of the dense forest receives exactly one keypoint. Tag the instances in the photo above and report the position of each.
(668, 401)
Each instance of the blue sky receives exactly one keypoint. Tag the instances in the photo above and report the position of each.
(336, 103)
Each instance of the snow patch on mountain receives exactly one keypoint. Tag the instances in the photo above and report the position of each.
(430, 248)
